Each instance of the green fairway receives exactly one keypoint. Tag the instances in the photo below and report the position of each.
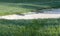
(13, 8)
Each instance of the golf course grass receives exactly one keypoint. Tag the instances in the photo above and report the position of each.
(14, 8)
(34, 27)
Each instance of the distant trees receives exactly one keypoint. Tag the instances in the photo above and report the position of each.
(17, 1)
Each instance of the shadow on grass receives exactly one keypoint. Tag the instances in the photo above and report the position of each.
(29, 6)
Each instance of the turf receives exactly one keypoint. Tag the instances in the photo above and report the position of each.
(13, 8)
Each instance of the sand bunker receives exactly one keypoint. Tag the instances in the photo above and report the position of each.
(30, 16)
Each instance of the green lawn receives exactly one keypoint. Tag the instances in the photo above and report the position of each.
(13, 8)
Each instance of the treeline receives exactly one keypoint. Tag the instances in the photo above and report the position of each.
(18, 1)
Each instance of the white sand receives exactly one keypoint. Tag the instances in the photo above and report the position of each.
(30, 16)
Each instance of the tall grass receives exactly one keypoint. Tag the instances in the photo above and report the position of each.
(35, 27)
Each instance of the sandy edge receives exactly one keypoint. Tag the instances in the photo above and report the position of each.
(30, 16)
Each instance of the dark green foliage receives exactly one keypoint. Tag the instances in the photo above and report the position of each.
(18, 1)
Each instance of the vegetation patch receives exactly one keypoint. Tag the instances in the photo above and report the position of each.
(35, 27)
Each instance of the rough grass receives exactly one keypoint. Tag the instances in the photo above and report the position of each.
(35, 27)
